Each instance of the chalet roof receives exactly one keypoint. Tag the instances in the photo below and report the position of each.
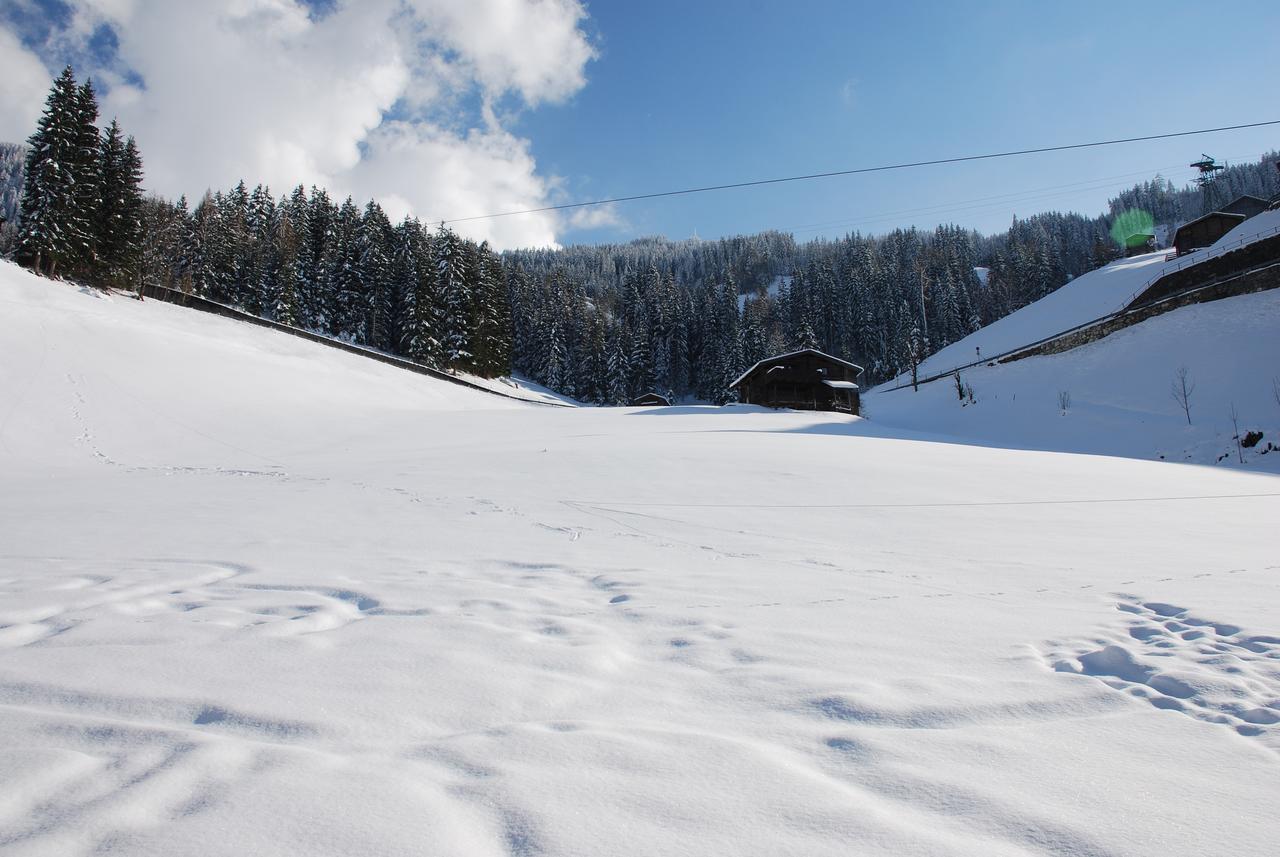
(777, 357)
(1245, 197)
(1210, 215)
(651, 396)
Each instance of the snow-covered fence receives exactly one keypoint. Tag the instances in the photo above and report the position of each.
(174, 296)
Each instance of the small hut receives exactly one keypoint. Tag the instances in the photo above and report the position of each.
(1136, 245)
(1203, 231)
(806, 380)
(651, 400)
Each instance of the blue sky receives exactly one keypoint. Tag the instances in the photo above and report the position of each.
(387, 98)
(703, 93)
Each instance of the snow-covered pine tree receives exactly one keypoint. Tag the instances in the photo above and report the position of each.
(288, 273)
(341, 271)
(375, 278)
(200, 249)
(87, 177)
(492, 317)
(118, 225)
(555, 372)
(616, 391)
(455, 297)
(46, 237)
(157, 259)
(260, 264)
(415, 270)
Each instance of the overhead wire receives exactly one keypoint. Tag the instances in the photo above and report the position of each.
(1028, 195)
(862, 170)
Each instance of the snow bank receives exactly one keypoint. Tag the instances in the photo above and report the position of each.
(261, 597)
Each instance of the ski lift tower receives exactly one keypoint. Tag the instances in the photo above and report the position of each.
(1208, 168)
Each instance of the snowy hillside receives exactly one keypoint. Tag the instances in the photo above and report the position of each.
(1119, 390)
(262, 597)
(1093, 295)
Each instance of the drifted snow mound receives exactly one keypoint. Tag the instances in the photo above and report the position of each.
(1120, 401)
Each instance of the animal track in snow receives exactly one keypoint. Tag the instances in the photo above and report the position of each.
(1180, 661)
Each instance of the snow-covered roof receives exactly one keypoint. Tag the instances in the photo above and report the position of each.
(841, 385)
(758, 364)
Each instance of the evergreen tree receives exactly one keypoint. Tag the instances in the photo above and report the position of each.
(288, 268)
(375, 278)
(415, 266)
(47, 237)
(455, 298)
(119, 222)
(86, 169)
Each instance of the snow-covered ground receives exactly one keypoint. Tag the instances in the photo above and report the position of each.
(523, 388)
(1119, 391)
(262, 597)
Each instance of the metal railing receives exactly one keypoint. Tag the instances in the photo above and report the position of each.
(1194, 258)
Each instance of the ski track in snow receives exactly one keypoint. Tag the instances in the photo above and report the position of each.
(1180, 661)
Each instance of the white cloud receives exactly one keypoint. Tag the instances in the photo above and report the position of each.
(24, 83)
(595, 217)
(849, 93)
(365, 100)
(533, 47)
(481, 172)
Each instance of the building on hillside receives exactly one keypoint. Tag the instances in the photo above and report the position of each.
(1249, 206)
(1136, 245)
(1203, 231)
(806, 380)
(651, 399)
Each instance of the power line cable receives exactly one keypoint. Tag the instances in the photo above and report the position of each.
(861, 170)
(1016, 197)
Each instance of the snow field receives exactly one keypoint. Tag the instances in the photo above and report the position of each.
(258, 596)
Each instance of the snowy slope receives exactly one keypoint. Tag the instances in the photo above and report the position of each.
(1087, 297)
(261, 597)
(1258, 226)
(1119, 389)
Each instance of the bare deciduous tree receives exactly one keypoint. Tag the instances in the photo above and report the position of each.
(1181, 390)
(1235, 424)
(1064, 401)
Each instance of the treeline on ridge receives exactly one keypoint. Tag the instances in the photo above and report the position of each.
(600, 323)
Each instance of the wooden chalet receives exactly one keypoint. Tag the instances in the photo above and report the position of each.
(1203, 231)
(806, 380)
(651, 400)
(1249, 206)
